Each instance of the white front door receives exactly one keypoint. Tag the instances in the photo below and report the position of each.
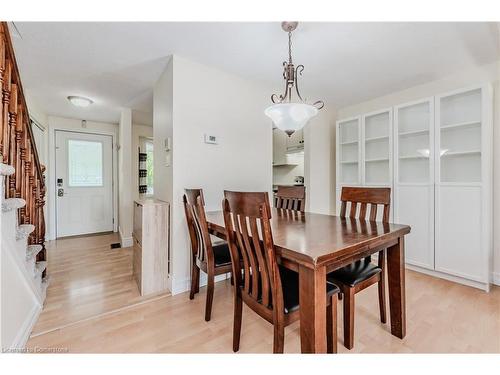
(84, 183)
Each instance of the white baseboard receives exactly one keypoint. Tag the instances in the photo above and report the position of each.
(456, 279)
(25, 331)
(496, 278)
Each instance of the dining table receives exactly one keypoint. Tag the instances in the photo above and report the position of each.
(314, 245)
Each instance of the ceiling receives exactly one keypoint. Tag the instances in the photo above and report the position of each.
(117, 64)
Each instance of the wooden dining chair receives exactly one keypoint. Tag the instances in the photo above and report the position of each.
(363, 273)
(213, 259)
(290, 198)
(269, 289)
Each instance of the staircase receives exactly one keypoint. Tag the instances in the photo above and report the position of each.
(22, 245)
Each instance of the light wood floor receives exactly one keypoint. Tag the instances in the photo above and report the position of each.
(87, 278)
(93, 283)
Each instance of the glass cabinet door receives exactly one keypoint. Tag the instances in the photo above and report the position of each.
(414, 143)
(460, 137)
(348, 132)
(377, 148)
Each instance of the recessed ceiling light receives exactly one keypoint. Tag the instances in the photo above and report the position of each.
(80, 101)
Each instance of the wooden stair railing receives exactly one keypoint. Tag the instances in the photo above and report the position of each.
(17, 146)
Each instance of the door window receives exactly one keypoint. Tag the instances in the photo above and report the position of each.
(84, 163)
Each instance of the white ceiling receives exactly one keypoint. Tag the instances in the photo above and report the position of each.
(117, 64)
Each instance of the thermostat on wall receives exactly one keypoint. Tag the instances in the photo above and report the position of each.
(210, 139)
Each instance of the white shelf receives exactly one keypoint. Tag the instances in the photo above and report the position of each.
(406, 157)
(349, 143)
(376, 138)
(376, 160)
(460, 153)
(349, 162)
(414, 132)
(461, 125)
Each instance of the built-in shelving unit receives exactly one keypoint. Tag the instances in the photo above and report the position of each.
(436, 153)
(377, 148)
(348, 152)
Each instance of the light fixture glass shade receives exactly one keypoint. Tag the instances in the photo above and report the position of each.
(80, 101)
(291, 117)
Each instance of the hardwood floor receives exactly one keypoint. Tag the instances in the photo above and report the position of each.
(442, 317)
(87, 278)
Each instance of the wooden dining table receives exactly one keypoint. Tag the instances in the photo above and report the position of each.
(314, 245)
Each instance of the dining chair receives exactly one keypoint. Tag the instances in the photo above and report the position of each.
(360, 275)
(290, 198)
(213, 259)
(269, 289)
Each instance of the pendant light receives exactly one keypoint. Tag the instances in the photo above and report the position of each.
(287, 114)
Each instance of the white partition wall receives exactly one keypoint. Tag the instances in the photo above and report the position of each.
(463, 183)
(413, 197)
(438, 159)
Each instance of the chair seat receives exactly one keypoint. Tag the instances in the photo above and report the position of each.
(222, 256)
(354, 273)
(290, 285)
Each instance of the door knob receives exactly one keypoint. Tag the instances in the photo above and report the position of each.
(60, 192)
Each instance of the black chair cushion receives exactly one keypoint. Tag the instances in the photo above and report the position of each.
(222, 255)
(290, 285)
(354, 273)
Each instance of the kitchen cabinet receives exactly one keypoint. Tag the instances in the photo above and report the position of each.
(295, 143)
(279, 147)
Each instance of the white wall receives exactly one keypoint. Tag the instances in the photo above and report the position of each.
(125, 197)
(484, 74)
(319, 164)
(62, 123)
(208, 101)
(139, 132)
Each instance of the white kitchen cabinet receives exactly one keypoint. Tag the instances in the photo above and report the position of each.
(279, 147)
(438, 159)
(295, 143)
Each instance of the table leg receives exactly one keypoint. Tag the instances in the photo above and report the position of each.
(396, 281)
(312, 299)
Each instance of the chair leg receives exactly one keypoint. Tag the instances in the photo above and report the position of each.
(331, 325)
(279, 338)
(349, 318)
(381, 288)
(238, 314)
(232, 279)
(210, 295)
(195, 281)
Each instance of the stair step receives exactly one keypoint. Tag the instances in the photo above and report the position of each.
(6, 170)
(40, 267)
(12, 204)
(24, 230)
(32, 251)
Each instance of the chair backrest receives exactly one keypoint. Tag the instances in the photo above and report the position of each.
(247, 220)
(291, 198)
(194, 208)
(364, 197)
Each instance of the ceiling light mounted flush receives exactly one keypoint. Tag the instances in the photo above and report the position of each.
(289, 115)
(79, 101)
